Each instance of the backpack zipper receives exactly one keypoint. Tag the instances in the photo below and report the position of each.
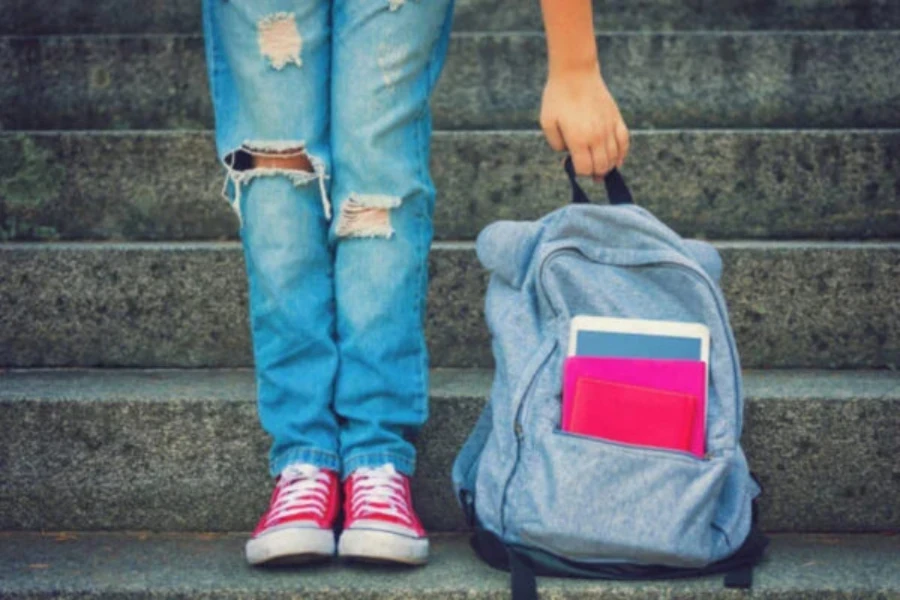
(519, 432)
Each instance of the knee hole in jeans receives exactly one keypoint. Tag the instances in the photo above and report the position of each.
(286, 158)
(367, 215)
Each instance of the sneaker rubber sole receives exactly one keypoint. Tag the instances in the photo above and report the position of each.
(370, 545)
(291, 546)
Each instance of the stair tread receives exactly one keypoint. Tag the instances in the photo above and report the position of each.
(237, 385)
(132, 565)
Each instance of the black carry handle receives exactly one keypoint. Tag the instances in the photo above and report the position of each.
(616, 189)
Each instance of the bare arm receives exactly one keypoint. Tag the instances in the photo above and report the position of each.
(578, 114)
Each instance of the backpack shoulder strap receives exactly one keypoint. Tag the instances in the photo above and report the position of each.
(491, 549)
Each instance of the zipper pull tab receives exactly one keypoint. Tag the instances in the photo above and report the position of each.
(519, 431)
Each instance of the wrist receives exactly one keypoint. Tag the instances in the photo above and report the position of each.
(573, 66)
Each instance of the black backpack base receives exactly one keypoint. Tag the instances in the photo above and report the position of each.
(524, 564)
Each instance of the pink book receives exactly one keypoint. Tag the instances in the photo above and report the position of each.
(633, 414)
(680, 376)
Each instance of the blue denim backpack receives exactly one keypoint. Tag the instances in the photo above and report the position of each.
(549, 503)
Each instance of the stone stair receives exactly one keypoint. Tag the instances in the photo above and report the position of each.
(183, 304)
(771, 128)
(181, 450)
(175, 566)
(684, 79)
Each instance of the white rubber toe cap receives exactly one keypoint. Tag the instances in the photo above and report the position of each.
(383, 546)
(291, 545)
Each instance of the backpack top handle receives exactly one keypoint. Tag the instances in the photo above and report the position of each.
(616, 189)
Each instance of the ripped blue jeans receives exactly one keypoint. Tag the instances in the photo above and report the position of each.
(336, 254)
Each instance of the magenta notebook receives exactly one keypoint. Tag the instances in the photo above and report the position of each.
(682, 376)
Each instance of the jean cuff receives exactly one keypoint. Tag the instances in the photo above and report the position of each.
(322, 459)
(404, 464)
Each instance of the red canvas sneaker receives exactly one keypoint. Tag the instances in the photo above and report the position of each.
(298, 527)
(380, 524)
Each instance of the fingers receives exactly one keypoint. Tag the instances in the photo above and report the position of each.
(582, 160)
(623, 139)
(613, 152)
(597, 157)
(605, 151)
(553, 134)
(601, 160)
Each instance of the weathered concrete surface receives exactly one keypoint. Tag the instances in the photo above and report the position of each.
(36, 566)
(491, 81)
(174, 16)
(715, 184)
(183, 450)
(793, 304)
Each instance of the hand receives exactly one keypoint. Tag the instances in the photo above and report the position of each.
(579, 115)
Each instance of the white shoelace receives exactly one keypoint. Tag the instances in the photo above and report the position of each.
(379, 491)
(303, 489)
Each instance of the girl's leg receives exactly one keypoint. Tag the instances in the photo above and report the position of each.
(269, 64)
(387, 58)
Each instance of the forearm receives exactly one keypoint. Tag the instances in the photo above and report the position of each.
(578, 113)
(571, 45)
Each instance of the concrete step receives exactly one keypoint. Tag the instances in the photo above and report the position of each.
(716, 184)
(492, 81)
(172, 16)
(793, 304)
(140, 565)
(35, 566)
(183, 450)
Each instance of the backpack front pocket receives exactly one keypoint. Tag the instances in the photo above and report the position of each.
(590, 499)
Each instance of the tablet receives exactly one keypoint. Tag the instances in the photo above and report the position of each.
(638, 338)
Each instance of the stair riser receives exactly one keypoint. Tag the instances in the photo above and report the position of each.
(200, 465)
(172, 16)
(491, 81)
(793, 184)
(793, 305)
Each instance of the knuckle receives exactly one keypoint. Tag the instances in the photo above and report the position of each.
(581, 148)
(582, 167)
